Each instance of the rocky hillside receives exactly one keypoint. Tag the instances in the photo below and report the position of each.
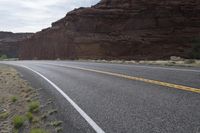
(8, 45)
(120, 29)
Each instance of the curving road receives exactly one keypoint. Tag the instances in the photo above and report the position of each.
(116, 98)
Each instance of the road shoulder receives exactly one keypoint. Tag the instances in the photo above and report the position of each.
(23, 108)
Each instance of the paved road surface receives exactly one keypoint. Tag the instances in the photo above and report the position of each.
(115, 98)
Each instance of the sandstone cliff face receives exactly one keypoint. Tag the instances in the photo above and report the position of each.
(120, 29)
(8, 45)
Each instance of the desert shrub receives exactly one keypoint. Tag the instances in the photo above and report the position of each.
(189, 61)
(29, 115)
(56, 123)
(34, 106)
(2, 57)
(14, 99)
(18, 121)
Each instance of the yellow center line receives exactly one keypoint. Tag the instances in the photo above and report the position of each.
(160, 83)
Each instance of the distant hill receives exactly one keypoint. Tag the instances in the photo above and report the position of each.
(120, 29)
(8, 45)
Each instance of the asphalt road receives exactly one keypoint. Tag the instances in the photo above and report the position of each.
(117, 98)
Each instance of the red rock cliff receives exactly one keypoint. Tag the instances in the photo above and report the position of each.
(120, 29)
(8, 45)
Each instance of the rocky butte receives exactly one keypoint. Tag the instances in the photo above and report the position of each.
(119, 29)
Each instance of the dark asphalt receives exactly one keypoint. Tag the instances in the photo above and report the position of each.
(119, 105)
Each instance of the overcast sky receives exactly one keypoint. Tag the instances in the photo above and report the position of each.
(34, 15)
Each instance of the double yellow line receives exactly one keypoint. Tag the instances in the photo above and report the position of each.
(160, 83)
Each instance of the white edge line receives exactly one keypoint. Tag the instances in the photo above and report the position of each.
(81, 112)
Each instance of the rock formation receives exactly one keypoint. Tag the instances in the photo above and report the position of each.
(8, 45)
(119, 29)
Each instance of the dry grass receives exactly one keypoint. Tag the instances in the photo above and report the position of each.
(178, 62)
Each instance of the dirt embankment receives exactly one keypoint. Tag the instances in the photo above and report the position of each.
(22, 109)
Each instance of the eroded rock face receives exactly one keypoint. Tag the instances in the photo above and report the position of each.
(8, 45)
(120, 29)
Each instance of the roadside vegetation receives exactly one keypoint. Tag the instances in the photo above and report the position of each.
(4, 115)
(18, 121)
(3, 57)
(14, 99)
(173, 61)
(21, 109)
(34, 106)
(37, 130)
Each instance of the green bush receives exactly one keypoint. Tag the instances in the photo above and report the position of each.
(38, 130)
(14, 99)
(18, 121)
(2, 57)
(34, 106)
(195, 52)
(190, 61)
(29, 115)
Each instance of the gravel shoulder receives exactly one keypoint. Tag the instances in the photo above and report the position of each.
(23, 109)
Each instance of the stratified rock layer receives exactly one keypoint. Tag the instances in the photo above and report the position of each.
(120, 29)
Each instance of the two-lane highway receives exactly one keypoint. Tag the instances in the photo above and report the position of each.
(115, 98)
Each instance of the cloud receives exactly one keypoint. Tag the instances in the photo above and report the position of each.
(34, 15)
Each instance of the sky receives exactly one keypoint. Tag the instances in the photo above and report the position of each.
(34, 15)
